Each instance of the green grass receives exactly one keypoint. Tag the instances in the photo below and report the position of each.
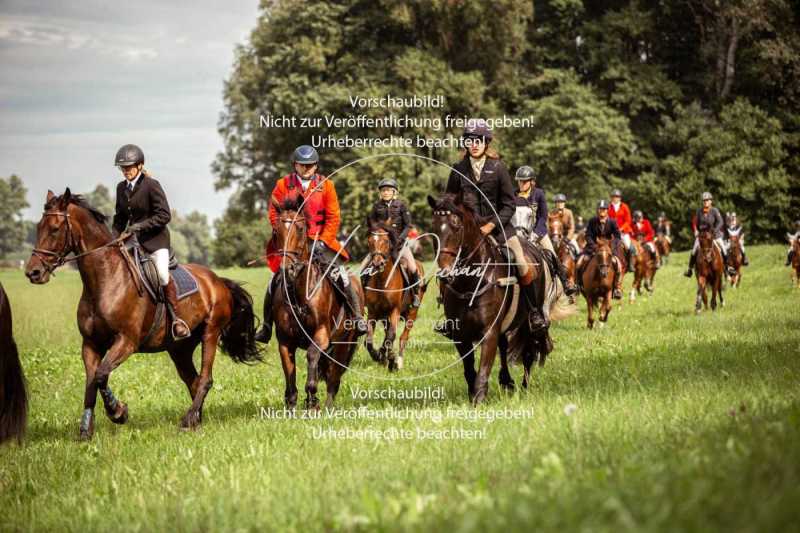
(680, 422)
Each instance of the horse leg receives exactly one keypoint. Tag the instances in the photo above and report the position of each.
(388, 341)
(488, 353)
(373, 353)
(605, 307)
(182, 358)
(336, 368)
(527, 362)
(504, 378)
(116, 355)
(313, 354)
(467, 353)
(590, 309)
(408, 324)
(194, 416)
(290, 374)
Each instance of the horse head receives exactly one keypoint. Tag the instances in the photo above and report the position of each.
(456, 227)
(555, 228)
(603, 256)
(68, 225)
(291, 235)
(382, 240)
(706, 239)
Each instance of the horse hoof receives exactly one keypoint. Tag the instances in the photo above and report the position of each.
(121, 414)
(86, 435)
(509, 387)
(190, 421)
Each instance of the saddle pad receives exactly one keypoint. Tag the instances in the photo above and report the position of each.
(185, 284)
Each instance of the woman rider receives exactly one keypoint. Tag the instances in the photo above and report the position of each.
(142, 209)
(494, 204)
(531, 217)
(386, 208)
(321, 209)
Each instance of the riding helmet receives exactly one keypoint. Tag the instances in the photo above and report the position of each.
(305, 155)
(128, 155)
(616, 192)
(477, 127)
(707, 196)
(560, 198)
(602, 204)
(662, 214)
(638, 214)
(525, 173)
(387, 182)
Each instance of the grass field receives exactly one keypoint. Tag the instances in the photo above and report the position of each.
(660, 421)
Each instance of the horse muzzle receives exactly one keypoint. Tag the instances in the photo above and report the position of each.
(37, 274)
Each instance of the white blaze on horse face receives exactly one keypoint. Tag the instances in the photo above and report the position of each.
(443, 227)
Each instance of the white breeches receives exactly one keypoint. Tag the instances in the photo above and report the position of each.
(719, 242)
(546, 243)
(161, 260)
(519, 256)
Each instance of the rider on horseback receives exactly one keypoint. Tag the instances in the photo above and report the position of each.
(567, 222)
(664, 226)
(733, 228)
(483, 181)
(389, 207)
(321, 209)
(642, 228)
(708, 218)
(605, 227)
(621, 213)
(792, 238)
(530, 221)
(142, 209)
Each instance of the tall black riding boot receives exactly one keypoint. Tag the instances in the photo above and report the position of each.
(355, 307)
(416, 288)
(692, 261)
(630, 258)
(789, 258)
(558, 268)
(264, 333)
(745, 260)
(180, 330)
(536, 318)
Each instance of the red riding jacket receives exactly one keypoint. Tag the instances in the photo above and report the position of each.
(645, 229)
(622, 216)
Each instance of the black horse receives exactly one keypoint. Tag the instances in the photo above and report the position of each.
(13, 396)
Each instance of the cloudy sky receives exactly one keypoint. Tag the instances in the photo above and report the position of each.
(79, 79)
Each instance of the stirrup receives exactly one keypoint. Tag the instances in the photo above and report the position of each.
(176, 322)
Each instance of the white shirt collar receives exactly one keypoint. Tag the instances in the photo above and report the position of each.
(132, 184)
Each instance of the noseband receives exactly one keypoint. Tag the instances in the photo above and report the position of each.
(60, 257)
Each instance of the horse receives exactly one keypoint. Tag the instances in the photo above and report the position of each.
(644, 266)
(474, 277)
(597, 281)
(555, 228)
(13, 394)
(735, 261)
(387, 299)
(796, 261)
(710, 271)
(307, 313)
(663, 246)
(115, 319)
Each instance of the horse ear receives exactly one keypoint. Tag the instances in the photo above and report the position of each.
(67, 195)
(431, 202)
(50, 195)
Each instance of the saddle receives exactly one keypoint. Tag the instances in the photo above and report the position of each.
(185, 283)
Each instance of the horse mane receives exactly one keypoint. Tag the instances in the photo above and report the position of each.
(292, 203)
(390, 231)
(453, 202)
(80, 201)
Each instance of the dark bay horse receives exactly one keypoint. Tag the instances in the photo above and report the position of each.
(555, 228)
(710, 271)
(735, 261)
(307, 313)
(13, 395)
(644, 268)
(796, 261)
(476, 302)
(388, 300)
(115, 320)
(597, 282)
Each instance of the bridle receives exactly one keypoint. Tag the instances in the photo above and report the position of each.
(294, 256)
(454, 253)
(60, 258)
(383, 255)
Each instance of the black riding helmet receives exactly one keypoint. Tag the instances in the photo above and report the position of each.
(602, 204)
(305, 155)
(477, 127)
(128, 155)
(525, 173)
(388, 182)
(638, 215)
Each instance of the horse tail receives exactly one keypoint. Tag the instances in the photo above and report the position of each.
(13, 394)
(238, 337)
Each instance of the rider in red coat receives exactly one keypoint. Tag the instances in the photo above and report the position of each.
(621, 214)
(643, 232)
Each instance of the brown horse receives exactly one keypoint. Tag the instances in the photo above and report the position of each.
(644, 269)
(597, 281)
(555, 228)
(13, 396)
(115, 320)
(477, 301)
(796, 261)
(735, 261)
(307, 313)
(387, 299)
(663, 246)
(710, 271)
